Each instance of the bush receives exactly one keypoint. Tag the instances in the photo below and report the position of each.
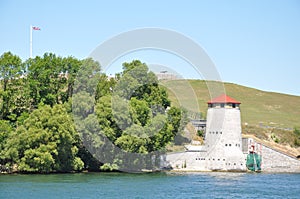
(109, 167)
(200, 133)
(78, 164)
(274, 138)
(296, 142)
(297, 131)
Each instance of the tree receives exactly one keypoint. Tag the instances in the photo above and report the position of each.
(130, 112)
(87, 77)
(5, 132)
(47, 77)
(140, 112)
(127, 113)
(133, 113)
(46, 142)
(106, 120)
(105, 86)
(10, 71)
(20, 100)
(70, 68)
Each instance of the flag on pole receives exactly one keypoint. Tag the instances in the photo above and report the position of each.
(31, 29)
(35, 28)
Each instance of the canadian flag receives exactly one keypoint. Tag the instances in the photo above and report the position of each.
(35, 28)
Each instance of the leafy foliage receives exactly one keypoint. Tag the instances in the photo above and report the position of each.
(45, 142)
(5, 132)
(10, 69)
(133, 116)
(37, 133)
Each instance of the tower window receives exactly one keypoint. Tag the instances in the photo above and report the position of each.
(225, 144)
(229, 144)
(222, 105)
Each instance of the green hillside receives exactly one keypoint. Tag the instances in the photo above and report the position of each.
(270, 117)
(258, 107)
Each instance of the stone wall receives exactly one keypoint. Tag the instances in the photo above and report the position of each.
(189, 161)
(201, 161)
(275, 161)
(272, 160)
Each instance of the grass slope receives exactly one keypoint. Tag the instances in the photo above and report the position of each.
(258, 107)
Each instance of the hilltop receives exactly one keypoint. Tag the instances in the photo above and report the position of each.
(266, 115)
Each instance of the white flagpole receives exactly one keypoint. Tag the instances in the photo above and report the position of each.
(30, 41)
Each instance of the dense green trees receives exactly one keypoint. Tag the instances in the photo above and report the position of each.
(135, 115)
(47, 141)
(5, 133)
(48, 80)
(10, 69)
(51, 78)
(37, 131)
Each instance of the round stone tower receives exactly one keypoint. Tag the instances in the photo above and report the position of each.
(223, 138)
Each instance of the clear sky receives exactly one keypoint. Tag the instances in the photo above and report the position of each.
(252, 43)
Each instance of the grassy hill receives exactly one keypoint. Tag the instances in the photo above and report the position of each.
(257, 108)
(268, 116)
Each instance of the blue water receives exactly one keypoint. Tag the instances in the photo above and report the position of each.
(158, 185)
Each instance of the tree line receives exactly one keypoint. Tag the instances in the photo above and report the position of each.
(38, 99)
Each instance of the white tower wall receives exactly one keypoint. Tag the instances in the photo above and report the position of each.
(224, 139)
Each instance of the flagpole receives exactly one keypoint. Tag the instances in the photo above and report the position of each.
(30, 41)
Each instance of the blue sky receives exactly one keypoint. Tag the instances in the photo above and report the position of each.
(252, 43)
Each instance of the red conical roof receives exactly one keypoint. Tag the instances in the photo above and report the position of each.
(223, 99)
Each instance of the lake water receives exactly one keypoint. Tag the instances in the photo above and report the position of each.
(158, 185)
